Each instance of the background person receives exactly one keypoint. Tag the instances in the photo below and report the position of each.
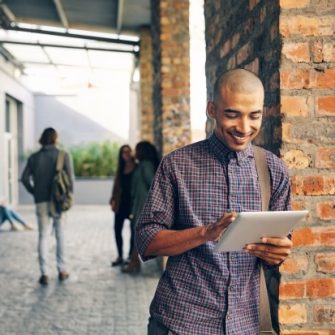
(8, 214)
(120, 200)
(37, 178)
(147, 157)
(194, 196)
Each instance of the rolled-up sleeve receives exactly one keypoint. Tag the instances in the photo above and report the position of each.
(159, 210)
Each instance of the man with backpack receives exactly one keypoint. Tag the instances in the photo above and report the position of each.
(48, 177)
(195, 195)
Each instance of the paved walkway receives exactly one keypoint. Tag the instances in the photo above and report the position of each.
(97, 299)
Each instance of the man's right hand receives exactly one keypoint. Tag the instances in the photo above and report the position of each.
(174, 242)
(214, 231)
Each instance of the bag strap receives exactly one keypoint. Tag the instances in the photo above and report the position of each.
(265, 188)
(60, 160)
(263, 176)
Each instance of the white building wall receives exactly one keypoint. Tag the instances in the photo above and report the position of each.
(10, 85)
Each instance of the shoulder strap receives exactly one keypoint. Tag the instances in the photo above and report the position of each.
(265, 187)
(263, 176)
(60, 160)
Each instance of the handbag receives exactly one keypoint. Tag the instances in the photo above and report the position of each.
(262, 169)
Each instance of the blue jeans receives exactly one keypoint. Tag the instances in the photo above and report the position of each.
(45, 223)
(10, 215)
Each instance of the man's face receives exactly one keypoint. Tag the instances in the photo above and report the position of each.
(238, 117)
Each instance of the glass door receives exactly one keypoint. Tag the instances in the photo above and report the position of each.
(11, 151)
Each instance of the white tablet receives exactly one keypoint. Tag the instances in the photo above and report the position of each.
(250, 227)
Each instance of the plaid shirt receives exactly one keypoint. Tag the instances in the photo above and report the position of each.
(203, 292)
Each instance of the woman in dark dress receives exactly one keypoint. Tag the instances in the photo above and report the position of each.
(120, 200)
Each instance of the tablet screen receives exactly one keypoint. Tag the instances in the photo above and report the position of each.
(250, 227)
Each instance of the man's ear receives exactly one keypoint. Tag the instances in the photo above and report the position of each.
(210, 109)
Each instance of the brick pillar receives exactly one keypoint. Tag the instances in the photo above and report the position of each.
(307, 86)
(146, 70)
(290, 44)
(170, 30)
(246, 36)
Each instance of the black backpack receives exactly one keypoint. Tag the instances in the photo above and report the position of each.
(61, 194)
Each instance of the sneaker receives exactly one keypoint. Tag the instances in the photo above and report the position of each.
(117, 262)
(28, 227)
(44, 280)
(63, 275)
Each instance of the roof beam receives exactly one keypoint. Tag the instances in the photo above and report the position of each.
(84, 37)
(45, 45)
(119, 19)
(61, 13)
(9, 57)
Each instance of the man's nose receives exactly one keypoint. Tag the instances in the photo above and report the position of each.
(243, 126)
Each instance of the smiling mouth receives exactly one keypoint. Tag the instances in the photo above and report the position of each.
(239, 138)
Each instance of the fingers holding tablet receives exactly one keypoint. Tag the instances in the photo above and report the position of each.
(273, 250)
(214, 231)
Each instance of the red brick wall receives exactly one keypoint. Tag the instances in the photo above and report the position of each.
(171, 43)
(290, 44)
(307, 83)
(146, 71)
(245, 34)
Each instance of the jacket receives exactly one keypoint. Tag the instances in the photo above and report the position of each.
(40, 170)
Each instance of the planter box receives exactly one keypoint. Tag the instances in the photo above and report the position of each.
(87, 191)
(92, 191)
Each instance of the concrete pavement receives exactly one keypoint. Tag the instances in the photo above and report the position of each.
(97, 299)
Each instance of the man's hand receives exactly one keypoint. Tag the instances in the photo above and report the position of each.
(213, 231)
(273, 250)
(169, 242)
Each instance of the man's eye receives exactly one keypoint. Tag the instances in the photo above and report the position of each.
(231, 115)
(255, 116)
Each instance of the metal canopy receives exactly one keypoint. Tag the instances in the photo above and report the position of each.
(113, 16)
(90, 40)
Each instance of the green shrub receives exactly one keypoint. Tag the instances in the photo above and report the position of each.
(95, 159)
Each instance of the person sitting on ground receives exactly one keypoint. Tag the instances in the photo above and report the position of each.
(8, 214)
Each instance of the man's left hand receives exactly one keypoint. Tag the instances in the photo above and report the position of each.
(273, 250)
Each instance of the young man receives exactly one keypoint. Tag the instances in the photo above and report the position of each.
(37, 178)
(194, 197)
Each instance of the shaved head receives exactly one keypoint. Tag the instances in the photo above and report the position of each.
(238, 81)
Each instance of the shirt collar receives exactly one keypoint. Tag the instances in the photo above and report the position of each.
(224, 153)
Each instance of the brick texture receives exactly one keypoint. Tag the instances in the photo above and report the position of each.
(324, 314)
(325, 262)
(250, 39)
(290, 45)
(146, 70)
(293, 314)
(295, 265)
(171, 73)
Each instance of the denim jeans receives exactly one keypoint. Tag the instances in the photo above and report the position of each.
(10, 215)
(156, 328)
(45, 224)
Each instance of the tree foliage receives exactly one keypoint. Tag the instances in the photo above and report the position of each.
(96, 159)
